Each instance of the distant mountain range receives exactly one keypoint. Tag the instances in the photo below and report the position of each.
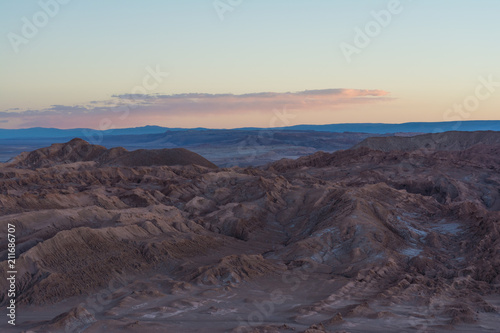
(372, 128)
(42, 132)
(420, 127)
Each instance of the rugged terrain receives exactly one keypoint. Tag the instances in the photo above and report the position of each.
(393, 238)
(449, 141)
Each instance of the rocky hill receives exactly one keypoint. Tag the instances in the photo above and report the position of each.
(78, 150)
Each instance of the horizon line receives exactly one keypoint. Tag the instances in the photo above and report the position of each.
(249, 127)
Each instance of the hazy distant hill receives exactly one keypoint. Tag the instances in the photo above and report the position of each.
(41, 132)
(432, 127)
(421, 127)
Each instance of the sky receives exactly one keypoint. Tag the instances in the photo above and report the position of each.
(238, 63)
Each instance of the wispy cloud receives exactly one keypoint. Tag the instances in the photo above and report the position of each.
(138, 110)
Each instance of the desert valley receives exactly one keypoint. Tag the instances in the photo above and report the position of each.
(236, 166)
(396, 234)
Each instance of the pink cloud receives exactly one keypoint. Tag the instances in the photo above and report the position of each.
(139, 110)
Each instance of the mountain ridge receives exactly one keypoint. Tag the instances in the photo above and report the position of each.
(374, 128)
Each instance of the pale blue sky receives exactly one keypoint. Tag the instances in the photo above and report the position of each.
(428, 58)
